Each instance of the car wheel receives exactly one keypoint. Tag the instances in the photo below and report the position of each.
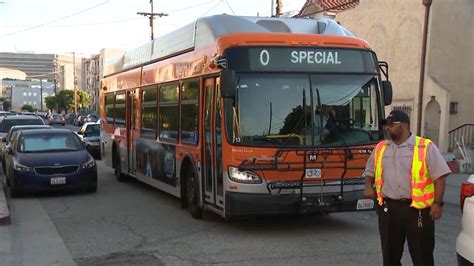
(192, 195)
(117, 171)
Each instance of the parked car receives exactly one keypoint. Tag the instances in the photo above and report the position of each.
(91, 118)
(70, 118)
(79, 121)
(465, 240)
(90, 135)
(11, 135)
(16, 120)
(49, 160)
(57, 119)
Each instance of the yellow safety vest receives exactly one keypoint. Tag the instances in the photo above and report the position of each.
(422, 186)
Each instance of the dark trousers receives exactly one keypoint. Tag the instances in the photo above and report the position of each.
(397, 222)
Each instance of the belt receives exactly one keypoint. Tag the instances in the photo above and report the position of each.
(406, 201)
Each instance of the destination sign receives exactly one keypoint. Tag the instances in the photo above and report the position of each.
(302, 59)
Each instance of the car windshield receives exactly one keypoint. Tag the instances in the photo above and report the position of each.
(49, 142)
(92, 131)
(7, 124)
(303, 110)
(15, 130)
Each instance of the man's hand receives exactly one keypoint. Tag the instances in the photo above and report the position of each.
(369, 192)
(436, 211)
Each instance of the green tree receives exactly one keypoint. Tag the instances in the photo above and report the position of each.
(27, 107)
(83, 99)
(65, 99)
(50, 102)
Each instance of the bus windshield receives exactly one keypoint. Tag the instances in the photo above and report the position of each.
(303, 110)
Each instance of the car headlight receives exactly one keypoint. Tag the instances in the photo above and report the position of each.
(243, 177)
(89, 164)
(22, 168)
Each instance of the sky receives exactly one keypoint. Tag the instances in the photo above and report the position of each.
(86, 26)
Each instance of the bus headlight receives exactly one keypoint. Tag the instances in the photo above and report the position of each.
(243, 177)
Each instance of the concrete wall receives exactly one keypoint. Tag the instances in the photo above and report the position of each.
(394, 30)
(450, 61)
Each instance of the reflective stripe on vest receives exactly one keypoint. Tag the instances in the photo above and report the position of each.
(422, 186)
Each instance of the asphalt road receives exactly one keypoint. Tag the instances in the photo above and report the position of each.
(134, 224)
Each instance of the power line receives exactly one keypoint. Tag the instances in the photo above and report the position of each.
(189, 7)
(56, 20)
(210, 9)
(229, 7)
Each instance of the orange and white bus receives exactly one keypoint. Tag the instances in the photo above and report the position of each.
(247, 115)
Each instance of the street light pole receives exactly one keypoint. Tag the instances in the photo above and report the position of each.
(41, 94)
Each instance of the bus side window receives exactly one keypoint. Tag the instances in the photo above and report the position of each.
(189, 112)
(169, 112)
(149, 115)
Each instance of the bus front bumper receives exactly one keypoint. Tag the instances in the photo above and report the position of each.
(248, 204)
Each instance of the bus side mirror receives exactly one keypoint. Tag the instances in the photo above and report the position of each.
(227, 83)
(387, 92)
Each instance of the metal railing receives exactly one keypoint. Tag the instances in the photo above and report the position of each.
(464, 132)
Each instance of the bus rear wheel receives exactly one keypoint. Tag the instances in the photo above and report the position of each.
(192, 195)
(118, 169)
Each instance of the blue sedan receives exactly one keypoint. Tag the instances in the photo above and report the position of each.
(49, 160)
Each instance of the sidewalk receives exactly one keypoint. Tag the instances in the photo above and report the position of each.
(4, 210)
(32, 238)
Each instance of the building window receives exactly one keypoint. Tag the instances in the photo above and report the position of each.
(169, 111)
(149, 114)
(24, 94)
(29, 93)
(405, 108)
(34, 94)
(24, 102)
(453, 108)
(34, 102)
(189, 112)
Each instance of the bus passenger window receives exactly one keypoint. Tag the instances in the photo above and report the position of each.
(109, 108)
(169, 112)
(120, 109)
(189, 112)
(149, 115)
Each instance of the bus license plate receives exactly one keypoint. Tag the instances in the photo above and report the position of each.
(365, 204)
(313, 173)
(58, 180)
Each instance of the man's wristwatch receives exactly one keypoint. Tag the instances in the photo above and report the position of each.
(440, 203)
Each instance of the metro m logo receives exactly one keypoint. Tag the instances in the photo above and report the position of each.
(313, 157)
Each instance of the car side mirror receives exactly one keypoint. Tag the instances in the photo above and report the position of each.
(9, 150)
(84, 134)
(387, 92)
(80, 133)
(228, 83)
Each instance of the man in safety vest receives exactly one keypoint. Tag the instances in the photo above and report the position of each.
(409, 176)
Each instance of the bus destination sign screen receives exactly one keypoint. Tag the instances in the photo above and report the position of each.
(304, 59)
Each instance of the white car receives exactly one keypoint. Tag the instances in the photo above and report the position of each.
(465, 240)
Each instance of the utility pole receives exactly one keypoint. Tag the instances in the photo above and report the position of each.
(151, 16)
(279, 8)
(41, 94)
(75, 81)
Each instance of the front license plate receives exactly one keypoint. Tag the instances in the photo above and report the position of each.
(365, 204)
(58, 180)
(313, 173)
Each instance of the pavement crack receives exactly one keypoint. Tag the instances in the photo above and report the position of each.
(129, 228)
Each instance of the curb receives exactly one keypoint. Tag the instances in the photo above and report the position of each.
(4, 210)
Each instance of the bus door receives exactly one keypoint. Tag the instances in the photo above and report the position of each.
(212, 143)
(132, 133)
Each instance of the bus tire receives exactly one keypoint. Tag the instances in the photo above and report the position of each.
(118, 169)
(192, 195)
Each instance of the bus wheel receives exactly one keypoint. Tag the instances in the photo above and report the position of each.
(192, 195)
(118, 170)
